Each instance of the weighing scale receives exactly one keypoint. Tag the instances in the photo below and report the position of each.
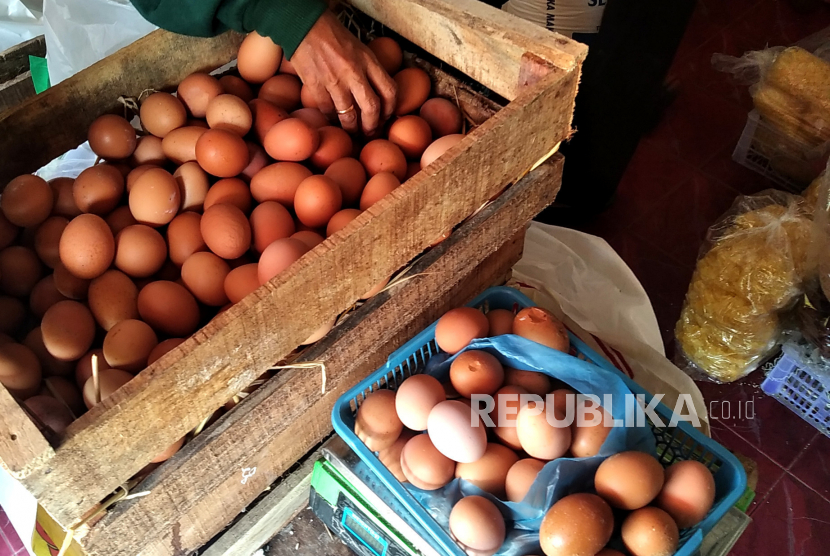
(359, 509)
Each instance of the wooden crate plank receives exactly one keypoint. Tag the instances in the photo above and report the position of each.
(16, 90)
(47, 125)
(21, 442)
(15, 60)
(199, 490)
(228, 353)
(485, 43)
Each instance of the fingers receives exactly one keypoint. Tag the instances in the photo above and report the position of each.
(343, 100)
(370, 108)
(385, 87)
(324, 102)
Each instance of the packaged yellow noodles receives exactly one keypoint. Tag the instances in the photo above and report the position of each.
(755, 263)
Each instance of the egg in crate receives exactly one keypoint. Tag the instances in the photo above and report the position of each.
(520, 478)
(258, 58)
(196, 91)
(377, 423)
(576, 525)
(424, 465)
(650, 531)
(477, 524)
(415, 398)
(629, 480)
(688, 492)
(541, 326)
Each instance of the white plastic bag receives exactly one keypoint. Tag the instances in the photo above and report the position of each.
(81, 32)
(20, 20)
(583, 281)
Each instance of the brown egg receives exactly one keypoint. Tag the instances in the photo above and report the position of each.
(65, 390)
(161, 113)
(379, 186)
(68, 330)
(47, 239)
(49, 412)
(415, 398)
(204, 275)
(443, 117)
(180, 144)
(424, 466)
(376, 423)
(307, 97)
(233, 85)
(291, 140)
(388, 52)
(226, 231)
(50, 366)
(520, 478)
(317, 199)
(477, 525)
(8, 231)
(310, 238)
(193, 185)
(109, 380)
(270, 221)
(577, 525)
(349, 174)
(501, 322)
(68, 284)
(282, 91)
(140, 251)
(340, 220)
(335, 144)
(650, 532)
(128, 344)
(279, 182)
(376, 289)
(20, 270)
(413, 90)
(112, 137)
(458, 327)
(688, 493)
(232, 191)
(12, 314)
(163, 348)
(196, 91)
(169, 308)
(476, 372)
(155, 198)
(113, 297)
(541, 326)
(265, 116)
(311, 116)
(279, 256)
(456, 433)
(588, 439)
(391, 456)
(509, 398)
(258, 58)
(148, 150)
(412, 134)
(221, 153)
(64, 200)
(381, 155)
(231, 113)
(539, 436)
(241, 281)
(119, 219)
(629, 480)
(27, 200)
(137, 172)
(44, 295)
(438, 148)
(318, 334)
(83, 367)
(98, 189)
(490, 472)
(258, 160)
(533, 382)
(184, 237)
(20, 370)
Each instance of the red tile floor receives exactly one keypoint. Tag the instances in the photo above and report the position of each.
(679, 181)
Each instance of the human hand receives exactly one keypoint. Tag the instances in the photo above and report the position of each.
(344, 76)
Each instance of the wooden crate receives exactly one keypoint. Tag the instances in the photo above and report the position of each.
(193, 495)
(15, 78)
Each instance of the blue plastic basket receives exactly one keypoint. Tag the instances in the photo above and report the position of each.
(673, 443)
(795, 387)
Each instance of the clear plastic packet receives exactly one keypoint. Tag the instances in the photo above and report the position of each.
(753, 265)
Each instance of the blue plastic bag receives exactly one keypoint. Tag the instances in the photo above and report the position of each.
(562, 476)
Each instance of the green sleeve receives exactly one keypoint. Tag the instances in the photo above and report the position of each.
(286, 21)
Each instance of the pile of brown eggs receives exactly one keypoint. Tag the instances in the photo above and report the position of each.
(427, 434)
(225, 185)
